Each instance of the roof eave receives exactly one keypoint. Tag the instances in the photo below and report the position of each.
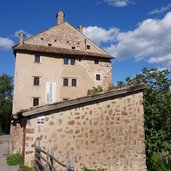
(84, 100)
(19, 49)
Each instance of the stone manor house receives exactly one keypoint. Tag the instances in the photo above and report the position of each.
(53, 71)
(58, 64)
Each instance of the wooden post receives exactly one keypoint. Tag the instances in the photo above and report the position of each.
(51, 159)
(38, 151)
(69, 163)
(47, 158)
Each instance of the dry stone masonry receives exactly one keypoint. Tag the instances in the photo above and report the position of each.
(105, 131)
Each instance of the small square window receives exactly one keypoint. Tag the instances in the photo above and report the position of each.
(96, 61)
(37, 59)
(36, 81)
(98, 77)
(65, 82)
(74, 82)
(65, 61)
(36, 101)
(72, 61)
(88, 46)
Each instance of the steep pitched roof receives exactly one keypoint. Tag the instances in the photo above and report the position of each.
(55, 50)
(60, 39)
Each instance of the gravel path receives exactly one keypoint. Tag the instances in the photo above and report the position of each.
(4, 151)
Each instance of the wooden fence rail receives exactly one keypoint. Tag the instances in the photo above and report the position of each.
(45, 161)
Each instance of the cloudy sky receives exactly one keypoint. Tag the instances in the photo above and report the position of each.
(136, 32)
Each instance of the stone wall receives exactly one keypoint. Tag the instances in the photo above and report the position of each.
(107, 134)
(64, 36)
(16, 137)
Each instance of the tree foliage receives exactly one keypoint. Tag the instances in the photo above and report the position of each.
(6, 89)
(157, 109)
(95, 90)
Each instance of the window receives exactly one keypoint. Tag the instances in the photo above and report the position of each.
(37, 59)
(98, 77)
(96, 62)
(65, 61)
(88, 46)
(74, 82)
(36, 81)
(65, 82)
(72, 61)
(36, 101)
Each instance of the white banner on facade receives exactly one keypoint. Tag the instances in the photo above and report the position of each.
(50, 92)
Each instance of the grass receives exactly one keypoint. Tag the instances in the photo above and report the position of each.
(87, 169)
(15, 159)
(25, 168)
(1, 133)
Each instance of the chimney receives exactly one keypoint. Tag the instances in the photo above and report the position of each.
(21, 38)
(60, 17)
(80, 28)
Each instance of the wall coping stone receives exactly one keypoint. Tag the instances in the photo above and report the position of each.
(47, 109)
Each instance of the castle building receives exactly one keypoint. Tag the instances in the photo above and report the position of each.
(58, 64)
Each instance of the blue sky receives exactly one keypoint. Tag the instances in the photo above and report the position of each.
(136, 32)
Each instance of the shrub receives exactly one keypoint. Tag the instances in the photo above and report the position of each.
(86, 169)
(1, 133)
(158, 163)
(25, 168)
(15, 159)
(95, 90)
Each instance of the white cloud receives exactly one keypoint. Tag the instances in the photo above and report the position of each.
(161, 59)
(117, 3)
(150, 41)
(6, 43)
(27, 35)
(100, 35)
(161, 10)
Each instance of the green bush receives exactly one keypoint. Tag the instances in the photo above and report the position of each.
(15, 159)
(158, 163)
(1, 133)
(86, 169)
(95, 90)
(25, 168)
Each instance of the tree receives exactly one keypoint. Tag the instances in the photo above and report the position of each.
(95, 90)
(157, 110)
(6, 89)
